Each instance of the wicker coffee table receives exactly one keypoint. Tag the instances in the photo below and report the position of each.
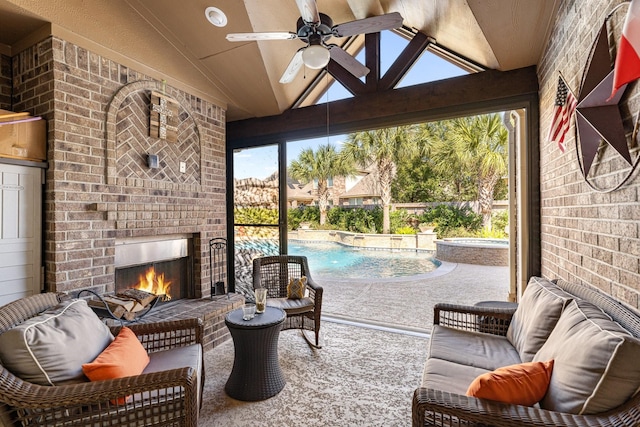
(256, 373)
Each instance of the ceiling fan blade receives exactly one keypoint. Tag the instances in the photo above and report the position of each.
(368, 25)
(243, 37)
(308, 11)
(292, 69)
(348, 62)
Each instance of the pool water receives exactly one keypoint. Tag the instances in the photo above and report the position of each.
(339, 261)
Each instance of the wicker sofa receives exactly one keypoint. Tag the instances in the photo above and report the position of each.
(592, 339)
(168, 392)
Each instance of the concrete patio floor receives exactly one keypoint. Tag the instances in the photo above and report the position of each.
(406, 304)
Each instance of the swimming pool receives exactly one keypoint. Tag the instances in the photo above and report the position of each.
(330, 259)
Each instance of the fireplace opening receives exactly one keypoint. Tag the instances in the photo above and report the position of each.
(161, 267)
(165, 278)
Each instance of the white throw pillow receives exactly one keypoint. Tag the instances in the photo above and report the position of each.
(50, 348)
(536, 316)
(596, 364)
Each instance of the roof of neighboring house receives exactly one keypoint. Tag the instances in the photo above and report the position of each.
(299, 191)
(366, 187)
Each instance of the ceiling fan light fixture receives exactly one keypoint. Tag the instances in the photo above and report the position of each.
(316, 56)
(215, 16)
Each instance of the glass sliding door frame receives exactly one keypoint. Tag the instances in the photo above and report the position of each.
(282, 206)
(523, 98)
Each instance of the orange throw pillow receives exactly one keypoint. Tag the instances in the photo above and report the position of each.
(522, 384)
(124, 357)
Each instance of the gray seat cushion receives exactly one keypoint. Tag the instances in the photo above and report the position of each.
(476, 349)
(536, 316)
(175, 358)
(595, 362)
(291, 306)
(449, 376)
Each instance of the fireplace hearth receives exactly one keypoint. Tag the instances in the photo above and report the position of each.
(160, 265)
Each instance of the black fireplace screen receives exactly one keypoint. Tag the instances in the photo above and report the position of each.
(170, 278)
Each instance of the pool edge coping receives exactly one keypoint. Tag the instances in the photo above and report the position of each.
(444, 268)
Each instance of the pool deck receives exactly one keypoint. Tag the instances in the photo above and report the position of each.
(406, 304)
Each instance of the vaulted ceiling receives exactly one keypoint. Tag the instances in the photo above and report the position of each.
(172, 40)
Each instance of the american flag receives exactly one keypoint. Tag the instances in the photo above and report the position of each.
(564, 107)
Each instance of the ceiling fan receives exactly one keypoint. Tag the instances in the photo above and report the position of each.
(315, 29)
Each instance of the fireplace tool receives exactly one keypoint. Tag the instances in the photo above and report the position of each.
(217, 263)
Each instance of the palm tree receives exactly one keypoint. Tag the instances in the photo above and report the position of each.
(320, 165)
(436, 154)
(382, 148)
(475, 147)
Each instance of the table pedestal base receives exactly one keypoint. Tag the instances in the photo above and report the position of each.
(256, 373)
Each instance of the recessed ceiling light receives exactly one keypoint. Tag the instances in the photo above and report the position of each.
(215, 16)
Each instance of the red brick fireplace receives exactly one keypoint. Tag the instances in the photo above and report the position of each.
(100, 192)
(99, 189)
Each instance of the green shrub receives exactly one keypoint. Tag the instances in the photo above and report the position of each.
(453, 219)
(326, 226)
(357, 220)
(500, 221)
(336, 216)
(455, 232)
(377, 214)
(494, 233)
(399, 219)
(405, 230)
(361, 221)
(293, 219)
(300, 214)
(255, 216)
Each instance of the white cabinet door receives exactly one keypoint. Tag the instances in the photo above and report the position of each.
(20, 231)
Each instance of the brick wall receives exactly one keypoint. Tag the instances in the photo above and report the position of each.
(589, 236)
(5, 82)
(98, 188)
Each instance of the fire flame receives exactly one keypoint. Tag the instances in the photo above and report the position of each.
(154, 283)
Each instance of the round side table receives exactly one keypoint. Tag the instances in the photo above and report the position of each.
(256, 373)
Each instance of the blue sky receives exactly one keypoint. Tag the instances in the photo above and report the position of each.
(263, 161)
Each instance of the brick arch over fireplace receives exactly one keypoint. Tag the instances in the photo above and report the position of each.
(128, 141)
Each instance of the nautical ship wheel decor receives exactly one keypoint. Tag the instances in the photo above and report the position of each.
(606, 131)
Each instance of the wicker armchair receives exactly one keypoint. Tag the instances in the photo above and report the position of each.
(164, 398)
(273, 273)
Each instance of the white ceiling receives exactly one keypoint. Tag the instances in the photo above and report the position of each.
(172, 40)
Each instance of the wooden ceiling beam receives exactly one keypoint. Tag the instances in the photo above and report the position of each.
(404, 61)
(346, 79)
(373, 81)
(372, 60)
(455, 97)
